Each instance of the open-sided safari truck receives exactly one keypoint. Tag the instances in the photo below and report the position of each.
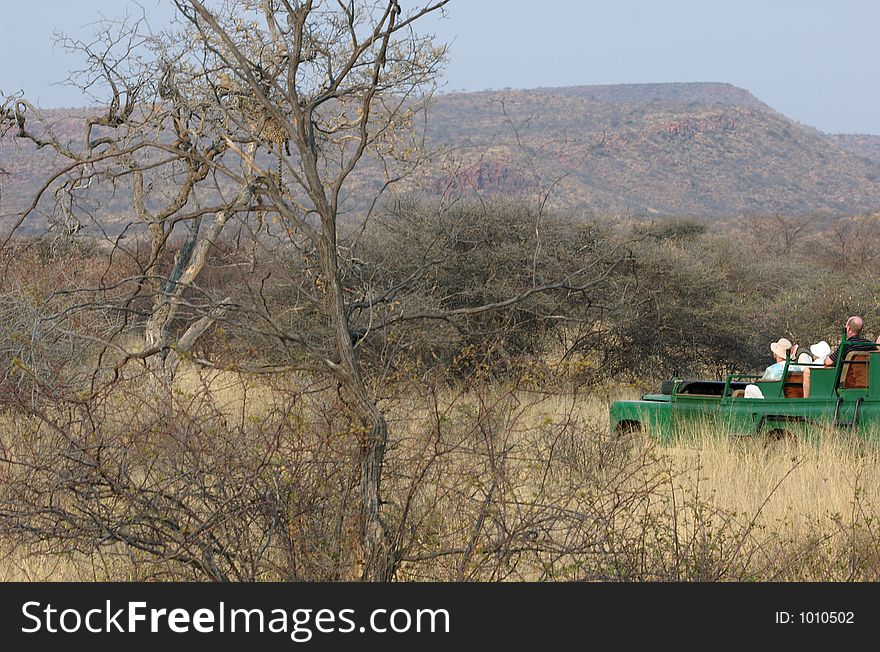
(845, 396)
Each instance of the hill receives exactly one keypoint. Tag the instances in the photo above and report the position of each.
(695, 149)
(698, 149)
(864, 145)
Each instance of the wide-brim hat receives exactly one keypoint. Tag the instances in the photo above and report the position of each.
(782, 347)
(820, 350)
(805, 358)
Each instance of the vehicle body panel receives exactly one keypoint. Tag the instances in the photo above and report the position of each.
(696, 404)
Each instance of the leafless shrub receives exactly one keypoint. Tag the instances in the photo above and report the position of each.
(189, 487)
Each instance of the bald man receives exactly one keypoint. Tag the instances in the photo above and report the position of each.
(854, 341)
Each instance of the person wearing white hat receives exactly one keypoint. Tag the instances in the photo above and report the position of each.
(819, 351)
(780, 350)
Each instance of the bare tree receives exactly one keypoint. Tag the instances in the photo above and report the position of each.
(781, 233)
(251, 120)
(251, 108)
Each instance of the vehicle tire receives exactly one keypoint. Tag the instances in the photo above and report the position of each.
(779, 439)
(628, 432)
(627, 429)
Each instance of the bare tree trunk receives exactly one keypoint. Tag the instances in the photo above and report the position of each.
(379, 554)
(187, 267)
(381, 558)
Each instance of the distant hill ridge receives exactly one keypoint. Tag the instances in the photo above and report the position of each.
(864, 145)
(708, 149)
(673, 92)
(688, 149)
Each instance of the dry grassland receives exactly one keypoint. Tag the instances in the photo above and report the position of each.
(524, 462)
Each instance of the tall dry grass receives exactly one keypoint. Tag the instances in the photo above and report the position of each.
(508, 482)
(813, 508)
(712, 507)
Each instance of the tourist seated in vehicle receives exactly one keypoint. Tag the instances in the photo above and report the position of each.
(780, 350)
(854, 341)
(819, 351)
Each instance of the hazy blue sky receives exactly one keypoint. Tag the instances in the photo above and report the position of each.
(813, 60)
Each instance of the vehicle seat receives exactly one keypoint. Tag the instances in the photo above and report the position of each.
(794, 385)
(855, 370)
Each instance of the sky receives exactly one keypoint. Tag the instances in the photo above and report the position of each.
(812, 60)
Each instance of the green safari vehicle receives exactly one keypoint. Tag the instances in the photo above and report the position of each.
(846, 395)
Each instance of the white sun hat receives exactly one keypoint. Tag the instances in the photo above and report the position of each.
(820, 350)
(805, 358)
